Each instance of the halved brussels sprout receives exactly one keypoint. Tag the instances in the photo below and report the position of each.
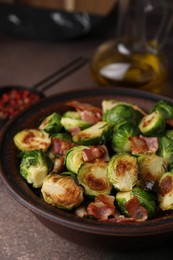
(152, 124)
(110, 103)
(165, 108)
(32, 139)
(51, 124)
(165, 192)
(122, 114)
(69, 123)
(34, 167)
(166, 148)
(123, 171)
(151, 167)
(93, 177)
(120, 137)
(95, 134)
(145, 199)
(74, 158)
(62, 191)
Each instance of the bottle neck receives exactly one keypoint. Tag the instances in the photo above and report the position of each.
(131, 20)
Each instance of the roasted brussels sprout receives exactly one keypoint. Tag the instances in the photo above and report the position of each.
(144, 198)
(165, 108)
(110, 103)
(74, 158)
(122, 114)
(165, 192)
(93, 177)
(32, 139)
(51, 124)
(69, 123)
(34, 167)
(62, 191)
(151, 167)
(93, 135)
(120, 141)
(152, 124)
(123, 171)
(166, 149)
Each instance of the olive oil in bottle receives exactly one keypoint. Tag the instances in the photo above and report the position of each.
(115, 63)
(133, 58)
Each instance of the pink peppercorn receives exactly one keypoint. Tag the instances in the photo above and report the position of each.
(14, 101)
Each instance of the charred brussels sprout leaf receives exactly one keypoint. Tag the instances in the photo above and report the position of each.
(32, 139)
(74, 158)
(166, 149)
(165, 108)
(165, 193)
(92, 176)
(152, 124)
(120, 137)
(34, 167)
(145, 198)
(122, 171)
(96, 134)
(51, 124)
(62, 191)
(122, 114)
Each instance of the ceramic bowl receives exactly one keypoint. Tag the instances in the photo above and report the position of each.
(87, 232)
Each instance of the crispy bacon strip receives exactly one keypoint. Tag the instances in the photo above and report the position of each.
(88, 112)
(169, 122)
(143, 145)
(102, 208)
(60, 146)
(136, 210)
(75, 130)
(95, 152)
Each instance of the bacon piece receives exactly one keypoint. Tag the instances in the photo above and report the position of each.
(138, 145)
(90, 116)
(169, 122)
(88, 112)
(136, 210)
(143, 145)
(95, 152)
(61, 146)
(102, 208)
(152, 143)
(121, 219)
(75, 130)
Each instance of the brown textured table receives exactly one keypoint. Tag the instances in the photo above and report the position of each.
(22, 237)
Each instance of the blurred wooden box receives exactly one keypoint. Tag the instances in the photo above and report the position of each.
(99, 7)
